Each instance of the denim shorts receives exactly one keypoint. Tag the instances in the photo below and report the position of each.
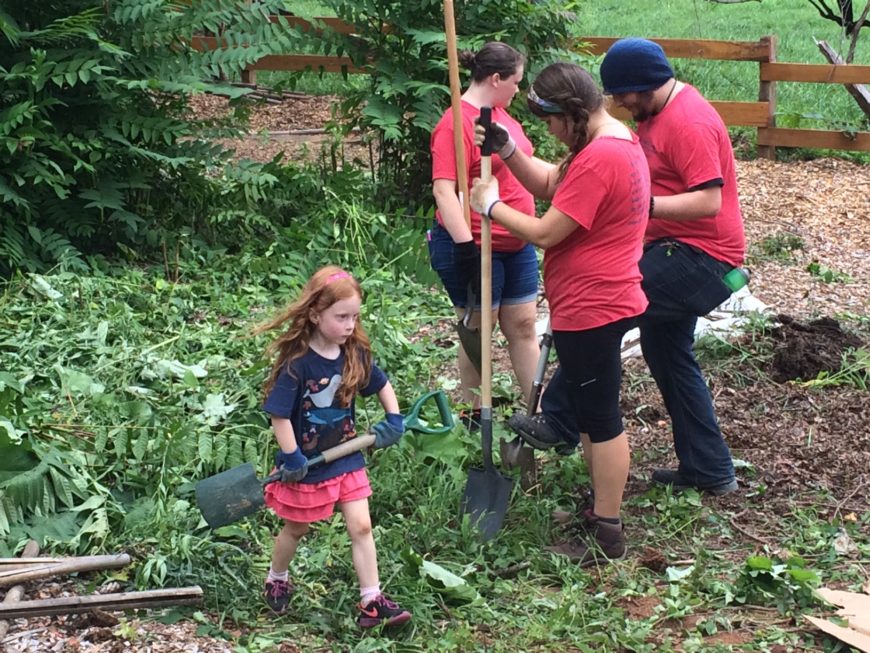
(514, 274)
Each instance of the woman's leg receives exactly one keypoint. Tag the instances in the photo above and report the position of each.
(517, 322)
(610, 463)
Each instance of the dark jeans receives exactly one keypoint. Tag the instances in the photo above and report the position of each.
(681, 283)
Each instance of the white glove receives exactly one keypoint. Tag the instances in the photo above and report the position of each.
(503, 143)
(484, 195)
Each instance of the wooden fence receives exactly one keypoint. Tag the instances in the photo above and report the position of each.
(760, 114)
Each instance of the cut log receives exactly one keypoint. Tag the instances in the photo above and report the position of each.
(121, 601)
(857, 91)
(16, 593)
(70, 566)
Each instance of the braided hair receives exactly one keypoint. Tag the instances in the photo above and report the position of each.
(566, 89)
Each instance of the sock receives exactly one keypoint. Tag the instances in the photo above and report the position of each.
(368, 594)
(274, 575)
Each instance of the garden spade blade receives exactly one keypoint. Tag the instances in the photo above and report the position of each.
(487, 492)
(227, 497)
(468, 336)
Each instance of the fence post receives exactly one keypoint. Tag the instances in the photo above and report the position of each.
(249, 77)
(767, 93)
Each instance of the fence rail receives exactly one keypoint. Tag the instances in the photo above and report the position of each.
(760, 114)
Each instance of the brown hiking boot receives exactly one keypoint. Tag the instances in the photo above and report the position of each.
(606, 542)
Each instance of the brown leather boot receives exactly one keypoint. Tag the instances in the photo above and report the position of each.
(605, 542)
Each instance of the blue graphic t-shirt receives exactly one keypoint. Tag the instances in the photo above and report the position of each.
(307, 398)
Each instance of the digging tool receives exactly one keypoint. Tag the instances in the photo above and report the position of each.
(468, 335)
(227, 497)
(513, 453)
(470, 338)
(487, 492)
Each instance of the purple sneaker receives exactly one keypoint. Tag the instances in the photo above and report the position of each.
(277, 594)
(381, 611)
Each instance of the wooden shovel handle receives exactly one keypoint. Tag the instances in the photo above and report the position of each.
(456, 110)
(343, 449)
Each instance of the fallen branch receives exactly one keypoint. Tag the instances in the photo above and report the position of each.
(15, 594)
(857, 91)
(121, 601)
(71, 566)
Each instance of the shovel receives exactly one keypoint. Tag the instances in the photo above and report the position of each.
(469, 336)
(513, 453)
(227, 497)
(487, 492)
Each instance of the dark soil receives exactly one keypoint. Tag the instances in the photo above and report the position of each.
(803, 351)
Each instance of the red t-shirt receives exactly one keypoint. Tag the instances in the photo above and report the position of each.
(511, 191)
(592, 277)
(687, 145)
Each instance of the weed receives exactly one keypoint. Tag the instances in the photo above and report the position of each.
(780, 246)
(827, 275)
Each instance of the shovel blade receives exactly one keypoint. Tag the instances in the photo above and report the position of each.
(486, 499)
(227, 497)
(470, 339)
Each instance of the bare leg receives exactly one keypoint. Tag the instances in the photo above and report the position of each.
(362, 543)
(286, 543)
(610, 463)
(517, 322)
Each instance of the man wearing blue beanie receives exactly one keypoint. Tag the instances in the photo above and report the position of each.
(694, 237)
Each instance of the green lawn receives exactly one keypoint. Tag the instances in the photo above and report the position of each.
(794, 22)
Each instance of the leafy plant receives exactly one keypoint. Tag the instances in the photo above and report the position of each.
(789, 583)
(779, 246)
(96, 147)
(826, 274)
(408, 86)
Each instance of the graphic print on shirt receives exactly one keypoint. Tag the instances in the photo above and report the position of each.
(325, 425)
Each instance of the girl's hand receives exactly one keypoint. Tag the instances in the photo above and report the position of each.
(484, 195)
(293, 466)
(390, 431)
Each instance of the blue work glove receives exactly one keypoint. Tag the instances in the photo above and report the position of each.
(389, 432)
(293, 467)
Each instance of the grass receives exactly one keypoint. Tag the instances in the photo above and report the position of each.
(794, 22)
(98, 362)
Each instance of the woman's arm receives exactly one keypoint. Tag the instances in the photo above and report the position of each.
(704, 203)
(536, 175)
(450, 209)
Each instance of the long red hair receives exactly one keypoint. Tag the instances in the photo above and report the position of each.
(327, 286)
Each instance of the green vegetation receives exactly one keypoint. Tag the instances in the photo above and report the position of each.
(794, 22)
(779, 247)
(136, 260)
(121, 389)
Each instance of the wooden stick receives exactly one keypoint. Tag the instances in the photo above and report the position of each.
(456, 110)
(15, 594)
(121, 601)
(86, 563)
(28, 560)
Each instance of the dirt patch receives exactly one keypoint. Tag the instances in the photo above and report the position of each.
(804, 350)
